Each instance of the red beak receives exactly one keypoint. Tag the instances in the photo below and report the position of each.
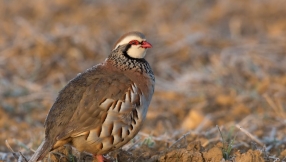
(145, 44)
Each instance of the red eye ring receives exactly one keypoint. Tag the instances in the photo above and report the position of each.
(134, 42)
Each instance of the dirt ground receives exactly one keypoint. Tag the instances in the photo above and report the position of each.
(220, 68)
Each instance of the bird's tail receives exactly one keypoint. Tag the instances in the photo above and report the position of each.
(42, 151)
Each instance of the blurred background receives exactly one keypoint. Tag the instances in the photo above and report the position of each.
(218, 63)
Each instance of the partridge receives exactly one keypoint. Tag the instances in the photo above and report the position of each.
(104, 107)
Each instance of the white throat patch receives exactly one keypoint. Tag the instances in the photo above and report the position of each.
(135, 51)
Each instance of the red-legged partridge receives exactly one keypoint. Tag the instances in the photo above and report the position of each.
(104, 107)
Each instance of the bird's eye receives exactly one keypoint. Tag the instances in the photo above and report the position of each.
(134, 42)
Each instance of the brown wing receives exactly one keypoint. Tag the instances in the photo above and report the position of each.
(68, 100)
(77, 108)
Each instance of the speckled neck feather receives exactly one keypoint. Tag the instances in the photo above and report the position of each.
(120, 59)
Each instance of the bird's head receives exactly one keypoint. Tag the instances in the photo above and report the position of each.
(135, 44)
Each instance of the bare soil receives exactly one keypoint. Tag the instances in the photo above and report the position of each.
(220, 70)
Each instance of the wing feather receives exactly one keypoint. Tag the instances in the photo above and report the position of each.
(94, 102)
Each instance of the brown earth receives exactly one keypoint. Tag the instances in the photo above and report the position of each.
(220, 70)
